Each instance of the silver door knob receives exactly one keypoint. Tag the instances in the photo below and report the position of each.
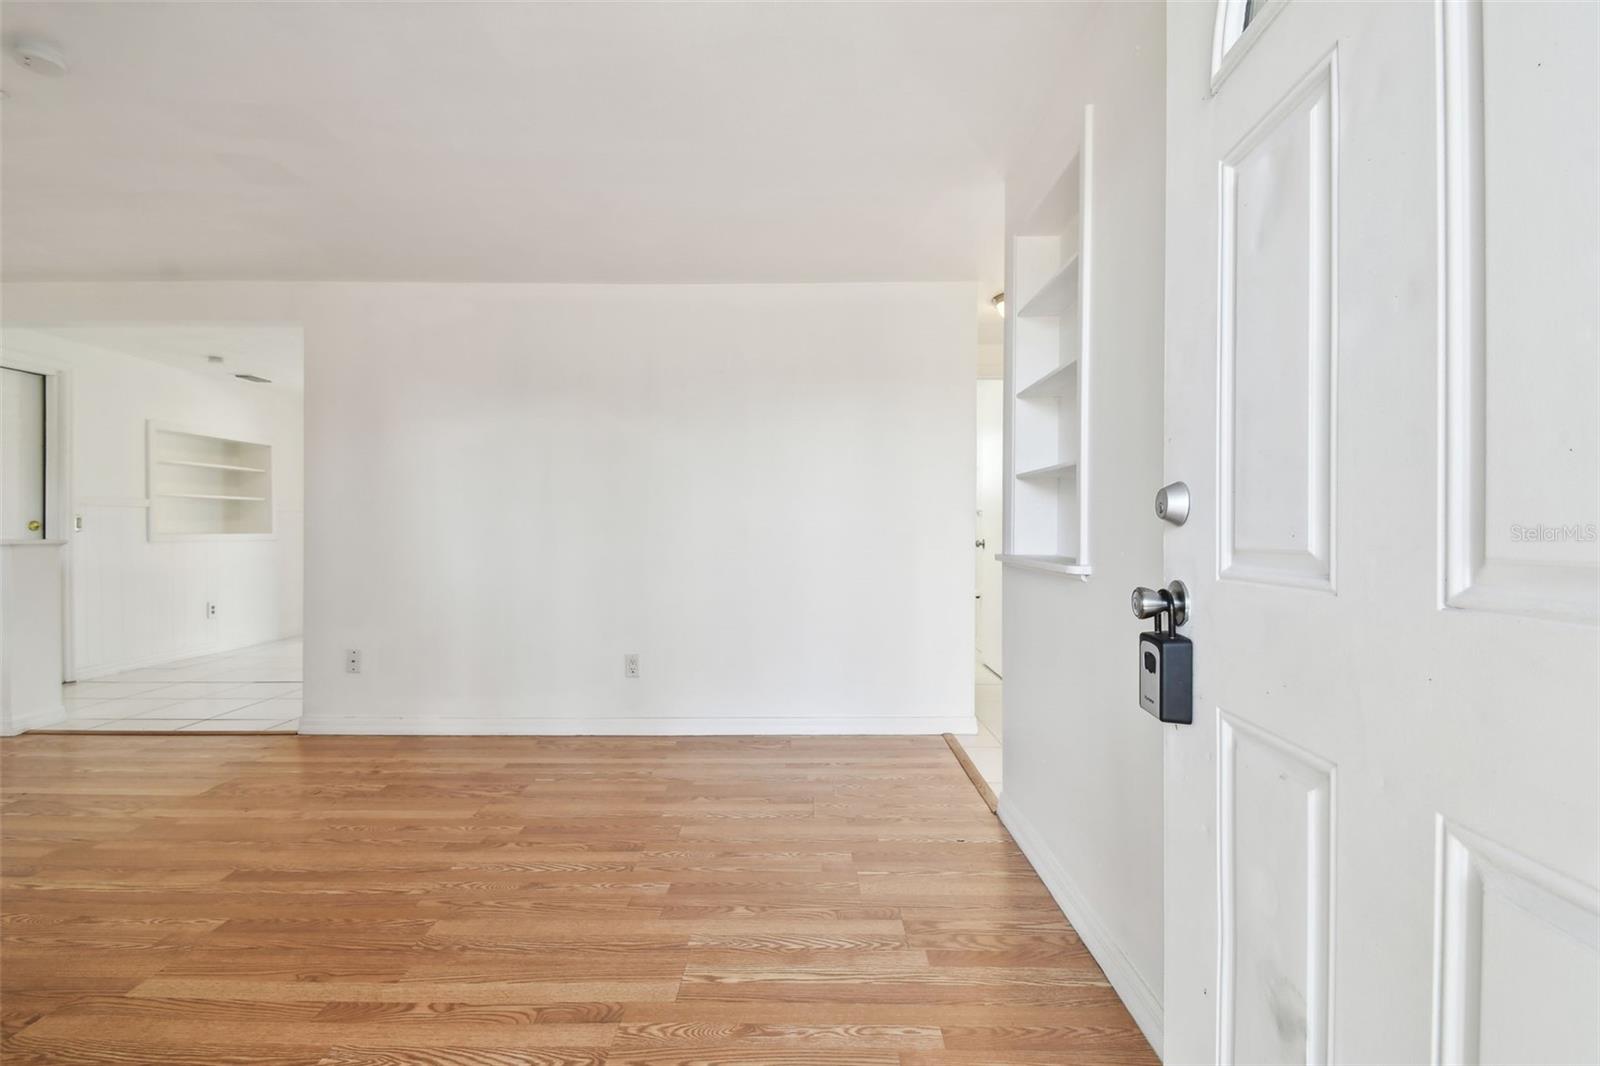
(1148, 603)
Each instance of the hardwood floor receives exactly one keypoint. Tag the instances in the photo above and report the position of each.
(372, 901)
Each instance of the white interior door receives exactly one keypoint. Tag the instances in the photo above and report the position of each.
(991, 474)
(1381, 831)
(22, 399)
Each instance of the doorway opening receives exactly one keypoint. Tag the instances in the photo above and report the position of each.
(23, 398)
(984, 748)
(177, 578)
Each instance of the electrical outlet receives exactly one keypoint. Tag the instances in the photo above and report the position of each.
(211, 610)
(630, 665)
(352, 661)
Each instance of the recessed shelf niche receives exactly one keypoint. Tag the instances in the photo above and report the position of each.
(205, 486)
(1047, 374)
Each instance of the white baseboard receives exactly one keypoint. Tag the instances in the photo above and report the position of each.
(38, 718)
(440, 725)
(1143, 1002)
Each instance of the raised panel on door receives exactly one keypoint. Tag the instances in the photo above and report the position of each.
(1520, 127)
(1275, 882)
(1517, 956)
(1275, 319)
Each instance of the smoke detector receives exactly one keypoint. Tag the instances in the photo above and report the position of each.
(41, 57)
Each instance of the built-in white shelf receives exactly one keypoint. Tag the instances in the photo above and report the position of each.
(1053, 472)
(204, 496)
(1056, 296)
(1053, 384)
(214, 466)
(1052, 564)
(1049, 268)
(201, 485)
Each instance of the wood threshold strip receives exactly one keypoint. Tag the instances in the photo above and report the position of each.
(984, 791)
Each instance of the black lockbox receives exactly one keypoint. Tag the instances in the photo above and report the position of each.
(1166, 674)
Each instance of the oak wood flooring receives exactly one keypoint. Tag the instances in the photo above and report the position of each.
(454, 901)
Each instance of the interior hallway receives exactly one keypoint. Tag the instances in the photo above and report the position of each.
(327, 901)
(252, 690)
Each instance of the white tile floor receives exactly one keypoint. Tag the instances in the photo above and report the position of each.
(251, 690)
(984, 749)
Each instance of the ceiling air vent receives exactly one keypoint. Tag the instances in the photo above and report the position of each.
(254, 378)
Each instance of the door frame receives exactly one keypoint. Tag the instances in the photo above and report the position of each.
(59, 518)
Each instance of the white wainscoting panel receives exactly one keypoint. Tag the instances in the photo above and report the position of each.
(1275, 809)
(1520, 130)
(138, 602)
(1516, 958)
(1276, 338)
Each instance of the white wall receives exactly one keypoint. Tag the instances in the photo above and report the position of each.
(765, 491)
(1082, 761)
(137, 602)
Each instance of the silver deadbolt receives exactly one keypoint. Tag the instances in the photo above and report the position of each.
(1172, 503)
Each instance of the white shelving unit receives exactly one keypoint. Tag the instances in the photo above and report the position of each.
(205, 486)
(1053, 472)
(1047, 375)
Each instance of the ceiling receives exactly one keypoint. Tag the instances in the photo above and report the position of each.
(275, 352)
(520, 141)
